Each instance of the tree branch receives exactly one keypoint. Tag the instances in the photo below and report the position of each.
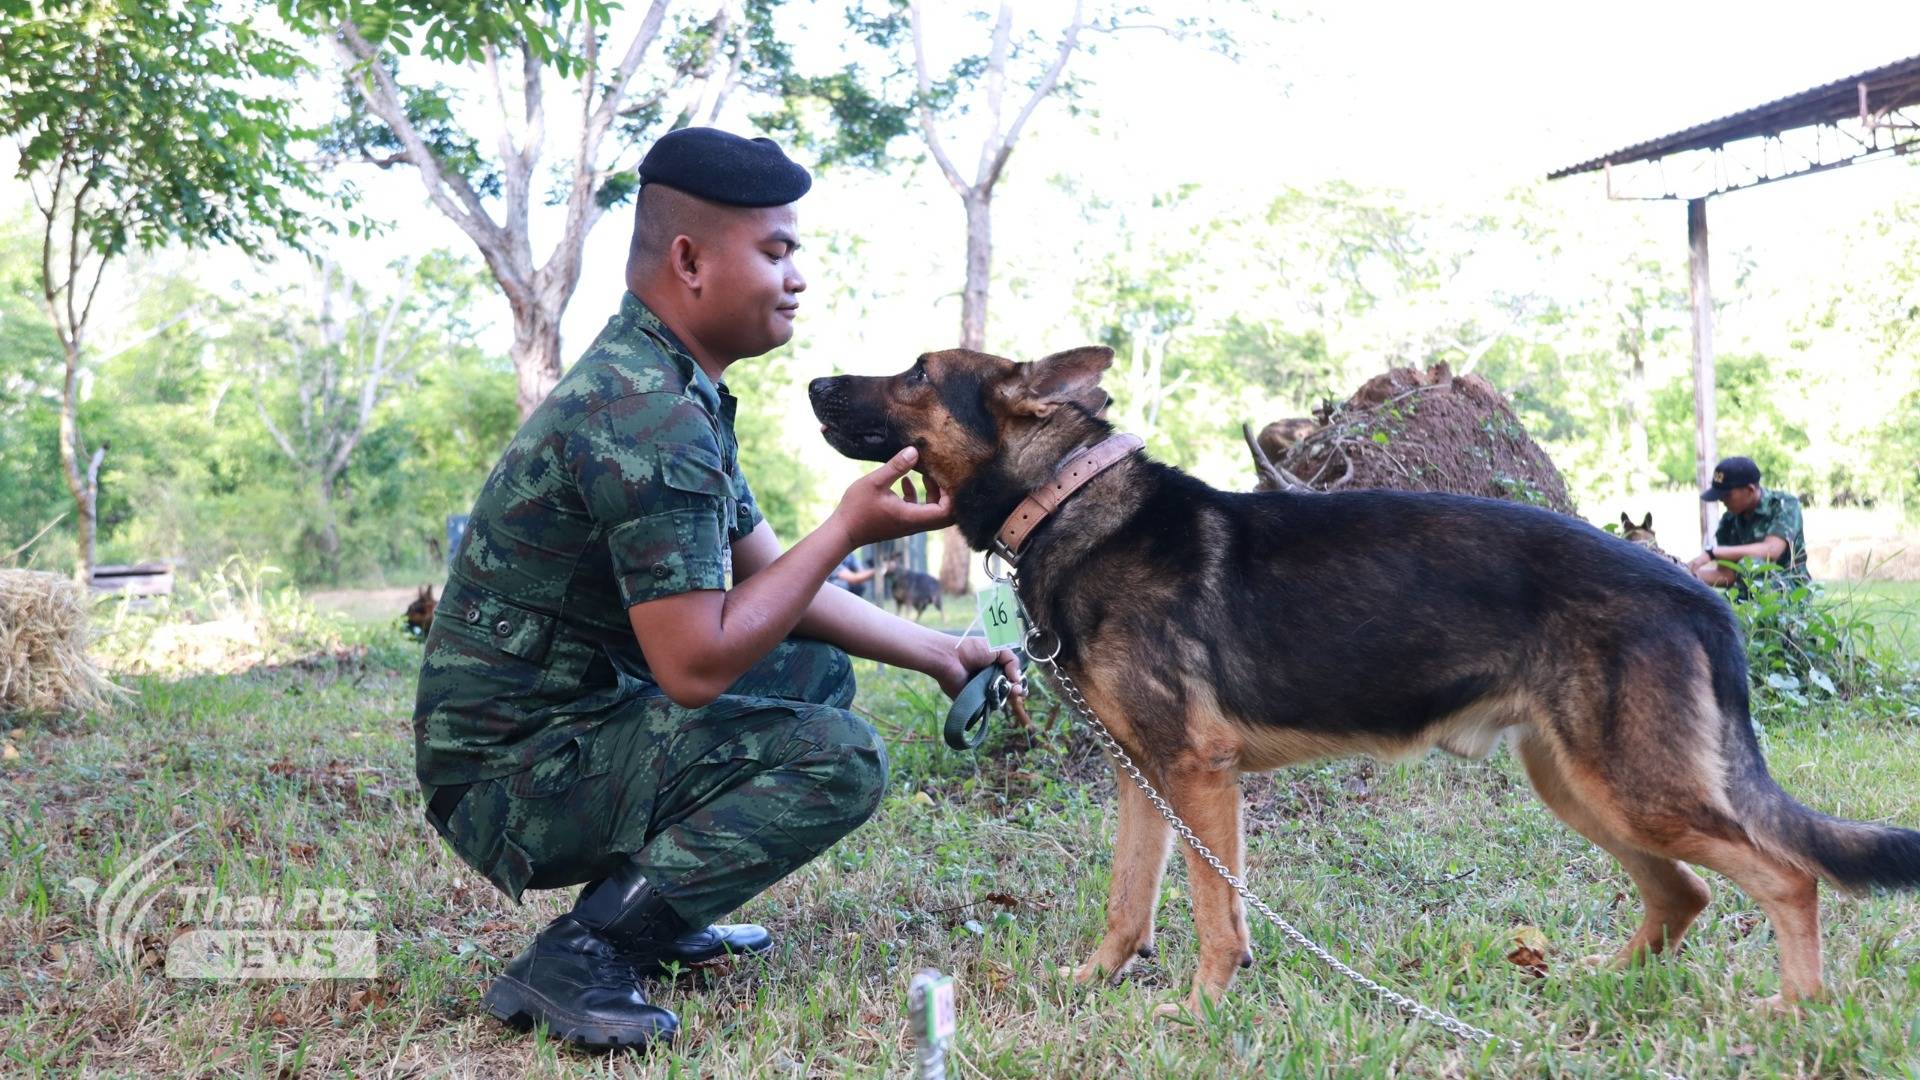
(928, 129)
(448, 191)
(1069, 40)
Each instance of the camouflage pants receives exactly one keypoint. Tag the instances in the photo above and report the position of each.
(716, 803)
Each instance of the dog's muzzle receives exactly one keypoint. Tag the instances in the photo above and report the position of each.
(860, 430)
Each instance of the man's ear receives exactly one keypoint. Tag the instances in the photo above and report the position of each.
(1051, 381)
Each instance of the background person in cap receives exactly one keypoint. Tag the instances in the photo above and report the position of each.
(1758, 524)
(638, 691)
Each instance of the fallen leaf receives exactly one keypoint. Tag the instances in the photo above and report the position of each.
(17, 733)
(301, 851)
(922, 798)
(8, 753)
(283, 767)
(1529, 951)
(495, 926)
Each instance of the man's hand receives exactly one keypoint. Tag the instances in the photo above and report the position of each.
(959, 665)
(870, 511)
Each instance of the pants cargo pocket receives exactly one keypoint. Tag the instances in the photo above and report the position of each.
(556, 835)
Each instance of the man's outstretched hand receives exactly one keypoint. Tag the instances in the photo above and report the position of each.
(871, 511)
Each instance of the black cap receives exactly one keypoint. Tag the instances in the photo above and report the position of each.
(722, 167)
(1734, 472)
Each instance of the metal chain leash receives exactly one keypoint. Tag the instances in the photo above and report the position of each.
(1447, 1022)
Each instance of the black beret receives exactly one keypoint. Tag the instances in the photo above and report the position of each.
(722, 167)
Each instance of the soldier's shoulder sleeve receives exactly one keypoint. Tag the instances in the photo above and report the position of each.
(747, 515)
(650, 473)
(1785, 522)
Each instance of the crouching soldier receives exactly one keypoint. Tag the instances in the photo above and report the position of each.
(1758, 524)
(630, 687)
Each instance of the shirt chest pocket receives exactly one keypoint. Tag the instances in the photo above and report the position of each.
(517, 631)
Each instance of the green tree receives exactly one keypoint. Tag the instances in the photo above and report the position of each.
(323, 358)
(140, 125)
(480, 161)
(1748, 394)
(892, 86)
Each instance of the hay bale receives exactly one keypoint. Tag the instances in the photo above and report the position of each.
(44, 666)
(1409, 430)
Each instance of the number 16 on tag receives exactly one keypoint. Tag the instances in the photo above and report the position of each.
(1000, 614)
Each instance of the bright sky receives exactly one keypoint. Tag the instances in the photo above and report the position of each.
(1452, 103)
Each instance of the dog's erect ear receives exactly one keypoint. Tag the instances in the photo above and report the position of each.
(1625, 521)
(1052, 381)
(1648, 524)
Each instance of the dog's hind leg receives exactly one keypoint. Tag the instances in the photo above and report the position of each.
(1139, 862)
(1673, 894)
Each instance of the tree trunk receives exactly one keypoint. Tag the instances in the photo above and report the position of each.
(84, 488)
(329, 534)
(973, 302)
(956, 560)
(536, 355)
(1639, 465)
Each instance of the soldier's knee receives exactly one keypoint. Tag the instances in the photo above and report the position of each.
(850, 758)
(835, 674)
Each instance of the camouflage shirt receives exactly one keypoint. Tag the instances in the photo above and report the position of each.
(623, 486)
(1778, 514)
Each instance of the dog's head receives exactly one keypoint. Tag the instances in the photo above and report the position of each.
(988, 429)
(420, 612)
(1641, 534)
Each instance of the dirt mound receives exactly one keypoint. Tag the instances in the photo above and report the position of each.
(1409, 430)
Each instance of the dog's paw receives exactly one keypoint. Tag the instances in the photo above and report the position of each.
(1093, 972)
(1607, 961)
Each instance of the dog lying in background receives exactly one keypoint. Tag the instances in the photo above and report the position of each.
(911, 588)
(419, 616)
(1218, 633)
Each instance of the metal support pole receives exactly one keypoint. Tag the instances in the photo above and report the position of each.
(1704, 451)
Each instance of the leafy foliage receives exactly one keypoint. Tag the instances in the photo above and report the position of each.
(160, 116)
(1799, 645)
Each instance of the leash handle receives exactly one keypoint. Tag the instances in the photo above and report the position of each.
(985, 694)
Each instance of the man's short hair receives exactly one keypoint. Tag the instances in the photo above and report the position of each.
(662, 213)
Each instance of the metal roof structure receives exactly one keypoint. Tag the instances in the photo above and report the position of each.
(1873, 114)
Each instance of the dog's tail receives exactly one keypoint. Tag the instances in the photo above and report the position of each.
(1855, 856)
(1852, 855)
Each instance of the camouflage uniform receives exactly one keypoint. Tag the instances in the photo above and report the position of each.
(536, 709)
(1778, 514)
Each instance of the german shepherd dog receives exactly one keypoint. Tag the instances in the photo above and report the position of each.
(1643, 536)
(1434, 620)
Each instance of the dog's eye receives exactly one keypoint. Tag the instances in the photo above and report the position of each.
(917, 374)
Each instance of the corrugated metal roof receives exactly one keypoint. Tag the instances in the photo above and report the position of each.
(1893, 86)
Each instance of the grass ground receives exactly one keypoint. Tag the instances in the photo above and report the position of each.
(989, 866)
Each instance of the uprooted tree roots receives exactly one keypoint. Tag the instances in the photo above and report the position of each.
(1409, 430)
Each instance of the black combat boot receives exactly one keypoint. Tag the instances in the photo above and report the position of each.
(630, 914)
(576, 983)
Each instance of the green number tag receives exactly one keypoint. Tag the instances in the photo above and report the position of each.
(943, 1019)
(1000, 614)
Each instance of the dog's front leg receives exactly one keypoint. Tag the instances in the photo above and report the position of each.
(1207, 797)
(1139, 861)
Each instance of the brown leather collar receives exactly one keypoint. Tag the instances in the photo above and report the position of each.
(1079, 467)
